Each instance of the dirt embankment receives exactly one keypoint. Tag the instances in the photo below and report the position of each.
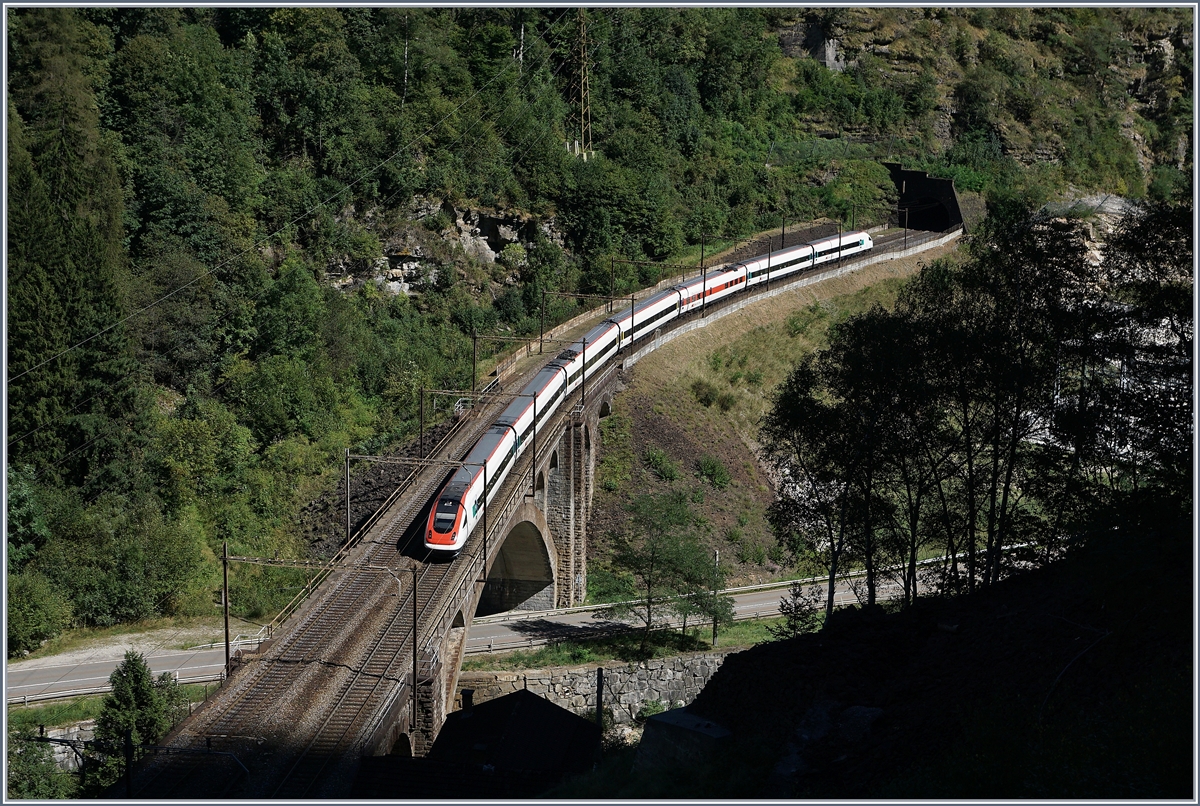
(742, 357)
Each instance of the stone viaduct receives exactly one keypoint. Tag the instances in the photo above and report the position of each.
(536, 542)
(405, 647)
(536, 549)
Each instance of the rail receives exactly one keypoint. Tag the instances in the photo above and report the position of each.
(292, 606)
(917, 241)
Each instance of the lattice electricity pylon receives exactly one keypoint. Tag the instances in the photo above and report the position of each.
(580, 122)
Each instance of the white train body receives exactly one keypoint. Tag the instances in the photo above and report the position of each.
(460, 505)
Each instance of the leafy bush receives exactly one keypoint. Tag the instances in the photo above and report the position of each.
(37, 610)
(705, 392)
(436, 222)
(604, 585)
(727, 400)
(660, 464)
(755, 377)
(715, 472)
(32, 772)
(649, 708)
(751, 553)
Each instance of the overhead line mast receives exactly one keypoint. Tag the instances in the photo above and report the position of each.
(581, 120)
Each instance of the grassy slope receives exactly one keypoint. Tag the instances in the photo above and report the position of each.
(745, 355)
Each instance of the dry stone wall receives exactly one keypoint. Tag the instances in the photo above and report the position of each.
(674, 682)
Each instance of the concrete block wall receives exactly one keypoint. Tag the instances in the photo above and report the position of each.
(627, 686)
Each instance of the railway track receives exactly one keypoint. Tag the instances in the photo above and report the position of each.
(297, 713)
(343, 640)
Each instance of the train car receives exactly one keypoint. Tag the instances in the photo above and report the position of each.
(451, 520)
(711, 287)
(598, 345)
(460, 504)
(651, 314)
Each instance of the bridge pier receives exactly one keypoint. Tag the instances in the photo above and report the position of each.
(570, 480)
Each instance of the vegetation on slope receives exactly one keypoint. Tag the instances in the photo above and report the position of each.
(187, 182)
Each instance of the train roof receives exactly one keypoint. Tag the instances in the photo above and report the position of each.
(513, 411)
(543, 377)
(659, 297)
(483, 449)
(599, 330)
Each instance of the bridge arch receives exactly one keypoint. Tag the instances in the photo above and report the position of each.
(522, 571)
(539, 491)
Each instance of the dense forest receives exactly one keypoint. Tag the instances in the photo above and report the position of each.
(197, 197)
(1004, 412)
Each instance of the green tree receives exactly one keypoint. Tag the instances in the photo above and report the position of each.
(25, 521)
(32, 773)
(801, 611)
(1146, 416)
(663, 556)
(811, 442)
(37, 610)
(140, 706)
(59, 58)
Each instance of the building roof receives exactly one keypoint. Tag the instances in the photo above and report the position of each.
(515, 746)
(518, 731)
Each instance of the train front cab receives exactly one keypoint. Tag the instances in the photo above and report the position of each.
(445, 524)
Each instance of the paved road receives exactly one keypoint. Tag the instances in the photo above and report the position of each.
(45, 678)
(39, 680)
(517, 630)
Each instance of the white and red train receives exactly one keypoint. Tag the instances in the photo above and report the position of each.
(459, 506)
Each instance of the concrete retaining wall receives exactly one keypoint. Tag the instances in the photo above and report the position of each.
(674, 682)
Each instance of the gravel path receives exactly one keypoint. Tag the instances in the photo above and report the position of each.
(149, 643)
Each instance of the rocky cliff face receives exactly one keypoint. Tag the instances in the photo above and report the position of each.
(432, 236)
(1142, 77)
